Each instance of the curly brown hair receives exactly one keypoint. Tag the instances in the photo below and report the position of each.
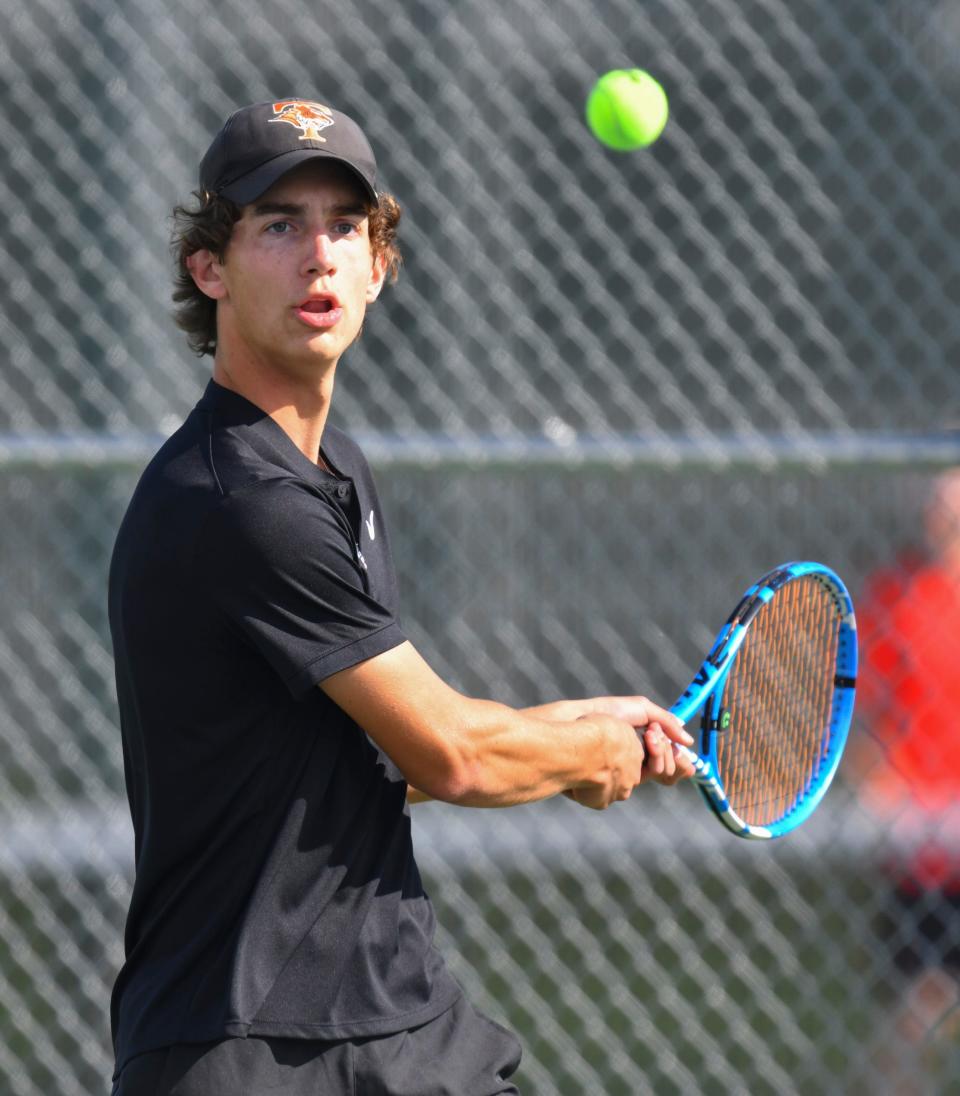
(208, 226)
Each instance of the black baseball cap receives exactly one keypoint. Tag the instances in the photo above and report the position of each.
(259, 143)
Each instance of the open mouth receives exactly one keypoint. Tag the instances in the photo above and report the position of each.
(320, 311)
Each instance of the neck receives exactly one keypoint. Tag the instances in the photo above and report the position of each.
(299, 407)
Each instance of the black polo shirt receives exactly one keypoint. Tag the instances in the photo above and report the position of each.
(276, 891)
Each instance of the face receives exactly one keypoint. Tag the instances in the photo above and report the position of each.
(293, 287)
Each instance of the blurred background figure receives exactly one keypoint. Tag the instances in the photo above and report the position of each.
(909, 701)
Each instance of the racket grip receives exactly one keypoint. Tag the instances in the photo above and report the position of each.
(701, 767)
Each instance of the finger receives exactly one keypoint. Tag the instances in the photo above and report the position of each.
(645, 712)
(655, 741)
(685, 767)
(669, 759)
(669, 724)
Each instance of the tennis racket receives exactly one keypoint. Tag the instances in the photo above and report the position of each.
(777, 691)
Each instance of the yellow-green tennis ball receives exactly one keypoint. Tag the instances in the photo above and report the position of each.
(627, 109)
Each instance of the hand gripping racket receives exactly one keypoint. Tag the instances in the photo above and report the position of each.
(777, 690)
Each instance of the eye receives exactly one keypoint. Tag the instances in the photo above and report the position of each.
(345, 228)
(278, 228)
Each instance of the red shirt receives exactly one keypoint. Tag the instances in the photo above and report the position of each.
(909, 698)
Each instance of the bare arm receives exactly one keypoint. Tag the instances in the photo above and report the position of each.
(480, 753)
(662, 762)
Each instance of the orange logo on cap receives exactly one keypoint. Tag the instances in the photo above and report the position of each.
(309, 117)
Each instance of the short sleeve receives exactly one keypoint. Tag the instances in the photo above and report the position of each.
(279, 561)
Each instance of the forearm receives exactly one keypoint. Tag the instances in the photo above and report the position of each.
(595, 758)
(480, 753)
(513, 759)
(506, 757)
(604, 764)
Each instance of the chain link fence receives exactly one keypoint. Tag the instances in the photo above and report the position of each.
(608, 391)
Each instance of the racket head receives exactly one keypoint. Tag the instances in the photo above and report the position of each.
(776, 721)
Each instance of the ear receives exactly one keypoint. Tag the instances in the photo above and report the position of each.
(207, 272)
(378, 277)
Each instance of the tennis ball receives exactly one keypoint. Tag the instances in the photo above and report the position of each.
(627, 109)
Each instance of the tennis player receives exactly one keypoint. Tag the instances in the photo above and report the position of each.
(276, 722)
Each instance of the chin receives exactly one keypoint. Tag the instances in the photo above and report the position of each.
(332, 344)
(320, 346)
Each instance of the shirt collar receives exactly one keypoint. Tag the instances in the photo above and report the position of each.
(266, 436)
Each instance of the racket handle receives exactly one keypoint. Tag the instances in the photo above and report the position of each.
(702, 768)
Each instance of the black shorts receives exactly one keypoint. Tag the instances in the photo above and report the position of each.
(460, 1053)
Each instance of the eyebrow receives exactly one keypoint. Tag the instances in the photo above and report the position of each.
(295, 209)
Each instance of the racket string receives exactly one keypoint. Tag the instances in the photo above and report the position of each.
(801, 716)
(779, 695)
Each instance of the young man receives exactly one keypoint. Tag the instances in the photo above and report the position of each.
(273, 714)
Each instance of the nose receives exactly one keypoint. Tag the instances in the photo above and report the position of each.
(319, 257)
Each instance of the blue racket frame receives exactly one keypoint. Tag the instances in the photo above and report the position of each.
(706, 690)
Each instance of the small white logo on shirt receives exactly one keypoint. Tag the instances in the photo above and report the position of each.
(369, 523)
